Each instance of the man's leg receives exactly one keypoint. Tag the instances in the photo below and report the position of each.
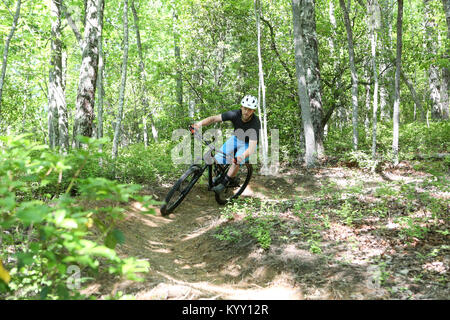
(234, 168)
(240, 148)
(228, 148)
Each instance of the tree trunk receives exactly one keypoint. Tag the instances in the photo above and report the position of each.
(396, 115)
(5, 50)
(368, 106)
(374, 23)
(310, 143)
(123, 81)
(386, 81)
(261, 94)
(58, 130)
(72, 24)
(308, 21)
(414, 95)
(143, 89)
(351, 55)
(179, 75)
(434, 78)
(84, 116)
(101, 66)
(446, 71)
(445, 98)
(338, 82)
(55, 75)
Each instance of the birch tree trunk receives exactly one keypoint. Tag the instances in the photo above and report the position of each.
(84, 114)
(446, 71)
(55, 95)
(262, 94)
(351, 55)
(101, 66)
(115, 147)
(417, 101)
(60, 75)
(179, 75)
(368, 105)
(143, 89)
(6, 48)
(310, 143)
(58, 131)
(374, 24)
(396, 115)
(386, 81)
(313, 71)
(434, 78)
(72, 24)
(445, 98)
(338, 83)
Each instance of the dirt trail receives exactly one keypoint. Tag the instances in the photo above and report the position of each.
(187, 262)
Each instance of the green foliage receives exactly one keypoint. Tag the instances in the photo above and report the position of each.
(138, 164)
(348, 211)
(229, 234)
(411, 228)
(135, 164)
(260, 227)
(415, 138)
(313, 221)
(44, 238)
(259, 219)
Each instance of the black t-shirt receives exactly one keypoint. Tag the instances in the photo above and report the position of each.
(244, 131)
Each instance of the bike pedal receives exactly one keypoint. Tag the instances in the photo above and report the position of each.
(234, 183)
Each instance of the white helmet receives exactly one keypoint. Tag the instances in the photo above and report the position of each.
(249, 102)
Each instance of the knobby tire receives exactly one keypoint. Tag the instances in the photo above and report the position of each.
(191, 176)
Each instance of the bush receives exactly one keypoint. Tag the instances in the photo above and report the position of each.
(414, 138)
(139, 164)
(45, 239)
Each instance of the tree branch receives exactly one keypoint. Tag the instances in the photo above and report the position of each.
(274, 48)
(72, 24)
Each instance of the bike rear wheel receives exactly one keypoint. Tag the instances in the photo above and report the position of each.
(235, 189)
(180, 190)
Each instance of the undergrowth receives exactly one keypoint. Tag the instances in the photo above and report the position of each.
(51, 242)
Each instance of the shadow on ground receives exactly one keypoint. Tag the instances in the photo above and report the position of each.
(188, 262)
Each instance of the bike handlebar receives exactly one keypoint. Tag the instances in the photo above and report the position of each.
(193, 132)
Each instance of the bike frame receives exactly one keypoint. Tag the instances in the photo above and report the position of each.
(210, 152)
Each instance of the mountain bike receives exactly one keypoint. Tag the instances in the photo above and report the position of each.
(216, 172)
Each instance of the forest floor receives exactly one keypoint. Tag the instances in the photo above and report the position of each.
(204, 250)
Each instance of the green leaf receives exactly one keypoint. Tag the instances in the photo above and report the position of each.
(44, 293)
(119, 236)
(8, 203)
(32, 212)
(7, 223)
(69, 224)
(62, 292)
(35, 247)
(24, 259)
(110, 240)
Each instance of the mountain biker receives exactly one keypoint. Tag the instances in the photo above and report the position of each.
(244, 140)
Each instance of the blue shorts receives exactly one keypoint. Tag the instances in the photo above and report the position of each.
(233, 146)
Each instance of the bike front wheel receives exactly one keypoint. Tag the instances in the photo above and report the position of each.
(180, 189)
(236, 187)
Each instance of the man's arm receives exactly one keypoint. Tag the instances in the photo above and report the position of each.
(251, 148)
(208, 121)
